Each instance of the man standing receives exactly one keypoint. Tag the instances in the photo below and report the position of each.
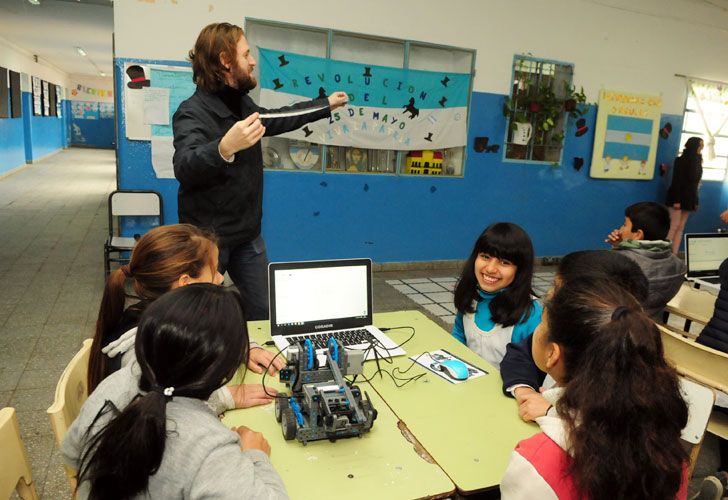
(218, 159)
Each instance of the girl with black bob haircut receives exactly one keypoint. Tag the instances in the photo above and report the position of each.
(493, 297)
(619, 411)
(166, 442)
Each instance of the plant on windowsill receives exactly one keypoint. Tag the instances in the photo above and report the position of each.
(542, 108)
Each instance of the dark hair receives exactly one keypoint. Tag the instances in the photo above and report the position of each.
(621, 402)
(503, 240)
(214, 40)
(193, 339)
(606, 264)
(159, 258)
(652, 218)
(690, 149)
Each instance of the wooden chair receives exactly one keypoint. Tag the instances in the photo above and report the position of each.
(71, 392)
(700, 401)
(702, 364)
(15, 471)
(691, 304)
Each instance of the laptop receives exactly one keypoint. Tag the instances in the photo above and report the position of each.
(319, 299)
(704, 253)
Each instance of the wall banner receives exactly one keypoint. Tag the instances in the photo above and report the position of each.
(625, 139)
(389, 108)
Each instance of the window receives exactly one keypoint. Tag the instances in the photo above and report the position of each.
(536, 110)
(287, 154)
(706, 105)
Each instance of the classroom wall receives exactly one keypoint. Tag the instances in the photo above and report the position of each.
(29, 137)
(390, 218)
(97, 132)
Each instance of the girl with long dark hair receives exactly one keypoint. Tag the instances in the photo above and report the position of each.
(146, 431)
(165, 258)
(493, 297)
(682, 196)
(618, 408)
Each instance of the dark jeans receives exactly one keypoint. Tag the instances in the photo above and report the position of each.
(247, 265)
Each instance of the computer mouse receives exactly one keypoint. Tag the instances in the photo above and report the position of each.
(454, 368)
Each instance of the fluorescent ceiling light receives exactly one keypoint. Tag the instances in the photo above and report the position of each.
(102, 73)
(34, 2)
(81, 52)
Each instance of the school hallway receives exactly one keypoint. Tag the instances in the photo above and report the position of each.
(53, 222)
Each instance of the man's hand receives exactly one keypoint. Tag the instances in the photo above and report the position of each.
(614, 238)
(242, 135)
(259, 359)
(247, 395)
(337, 100)
(531, 404)
(724, 216)
(251, 440)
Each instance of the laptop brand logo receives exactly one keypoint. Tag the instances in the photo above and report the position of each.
(319, 327)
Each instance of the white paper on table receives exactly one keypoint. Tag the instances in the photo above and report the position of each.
(156, 106)
(162, 152)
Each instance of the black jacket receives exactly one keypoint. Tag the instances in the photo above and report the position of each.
(226, 198)
(715, 333)
(686, 176)
(518, 366)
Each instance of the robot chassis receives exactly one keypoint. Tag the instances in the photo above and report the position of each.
(322, 404)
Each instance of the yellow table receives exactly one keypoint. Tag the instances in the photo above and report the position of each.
(691, 304)
(470, 429)
(382, 464)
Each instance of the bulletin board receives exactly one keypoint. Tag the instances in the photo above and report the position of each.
(15, 95)
(46, 98)
(625, 138)
(4, 102)
(37, 97)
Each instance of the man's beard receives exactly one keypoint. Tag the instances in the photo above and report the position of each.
(245, 81)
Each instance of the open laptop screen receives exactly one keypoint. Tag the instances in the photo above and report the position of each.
(320, 295)
(705, 252)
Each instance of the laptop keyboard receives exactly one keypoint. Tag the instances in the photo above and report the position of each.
(346, 337)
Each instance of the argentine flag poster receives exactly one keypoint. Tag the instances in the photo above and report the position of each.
(388, 108)
(625, 139)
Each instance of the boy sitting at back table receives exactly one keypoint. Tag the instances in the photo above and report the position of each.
(642, 239)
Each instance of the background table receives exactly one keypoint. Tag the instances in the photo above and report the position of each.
(381, 464)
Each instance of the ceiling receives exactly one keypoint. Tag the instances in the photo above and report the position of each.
(53, 30)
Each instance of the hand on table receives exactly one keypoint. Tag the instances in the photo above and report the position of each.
(531, 404)
(614, 238)
(242, 135)
(259, 359)
(251, 440)
(337, 100)
(247, 395)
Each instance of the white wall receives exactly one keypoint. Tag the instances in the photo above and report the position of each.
(611, 44)
(17, 59)
(94, 82)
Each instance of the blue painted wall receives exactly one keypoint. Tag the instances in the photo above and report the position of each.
(12, 143)
(93, 133)
(309, 215)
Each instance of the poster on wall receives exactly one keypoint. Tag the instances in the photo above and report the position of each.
(46, 99)
(136, 78)
(53, 109)
(625, 138)
(15, 95)
(106, 110)
(59, 101)
(37, 97)
(170, 86)
(4, 103)
(388, 108)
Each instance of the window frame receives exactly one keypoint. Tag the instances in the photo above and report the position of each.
(400, 160)
(563, 120)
